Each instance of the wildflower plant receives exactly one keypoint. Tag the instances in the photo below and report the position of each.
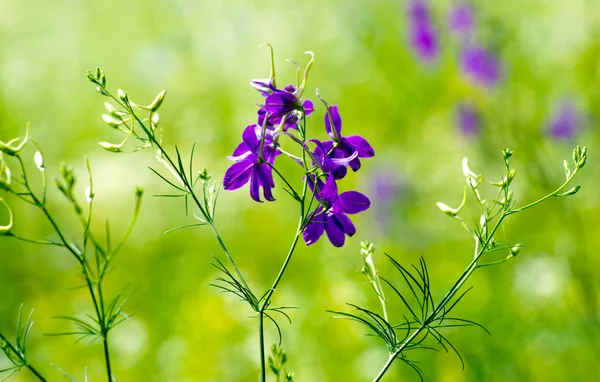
(422, 324)
(278, 131)
(93, 255)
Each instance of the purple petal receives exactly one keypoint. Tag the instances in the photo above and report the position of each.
(314, 230)
(360, 145)
(308, 107)
(250, 138)
(344, 223)
(281, 103)
(263, 85)
(334, 231)
(266, 179)
(333, 116)
(237, 175)
(242, 149)
(329, 192)
(352, 202)
(255, 187)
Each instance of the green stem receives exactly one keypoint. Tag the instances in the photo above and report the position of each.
(21, 358)
(451, 293)
(263, 370)
(107, 357)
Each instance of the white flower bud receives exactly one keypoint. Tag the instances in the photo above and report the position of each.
(38, 159)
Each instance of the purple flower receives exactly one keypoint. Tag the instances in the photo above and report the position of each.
(341, 147)
(331, 217)
(565, 122)
(468, 119)
(250, 167)
(276, 115)
(462, 20)
(423, 36)
(480, 65)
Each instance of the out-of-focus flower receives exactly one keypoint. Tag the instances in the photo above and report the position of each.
(468, 119)
(480, 65)
(462, 20)
(386, 187)
(565, 122)
(250, 167)
(423, 36)
(331, 216)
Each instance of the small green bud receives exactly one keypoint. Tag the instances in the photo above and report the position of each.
(204, 175)
(110, 147)
(110, 108)
(122, 95)
(572, 191)
(506, 180)
(112, 121)
(67, 175)
(139, 192)
(447, 209)
(157, 101)
(507, 153)
(155, 118)
(514, 251)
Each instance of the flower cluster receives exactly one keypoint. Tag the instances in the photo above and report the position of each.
(283, 116)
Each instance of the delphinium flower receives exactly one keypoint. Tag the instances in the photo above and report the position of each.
(480, 65)
(565, 122)
(331, 215)
(252, 158)
(462, 20)
(468, 119)
(283, 115)
(423, 35)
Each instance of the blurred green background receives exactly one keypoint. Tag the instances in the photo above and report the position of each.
(542, 307)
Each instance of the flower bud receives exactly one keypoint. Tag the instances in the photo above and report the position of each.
(111, 121)
(110, 147)
(514, 251)
(157, 101)
(38, 159)
(122, 95)
(155, 119)
(447, 210)
(572, 191)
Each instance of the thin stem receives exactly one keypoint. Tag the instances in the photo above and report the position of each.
(261, 337)
(547, 196)
(21, 358)
(107, 357)
(451, 293)
(186, 184)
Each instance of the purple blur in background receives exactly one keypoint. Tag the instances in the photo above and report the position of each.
(423, 36)
(462, 20)
(565, 122)
(468, 119)
(481, 66)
